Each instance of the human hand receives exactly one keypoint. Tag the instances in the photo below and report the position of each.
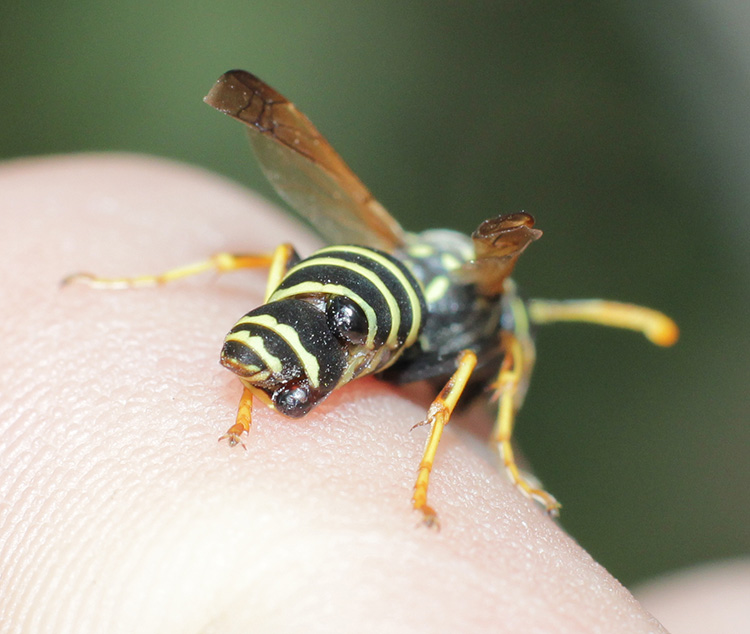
(121, 512)
(710, 597)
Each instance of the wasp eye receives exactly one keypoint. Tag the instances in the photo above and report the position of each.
(346, 320)
(293, 400)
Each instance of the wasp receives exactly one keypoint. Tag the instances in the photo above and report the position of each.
(437, 306)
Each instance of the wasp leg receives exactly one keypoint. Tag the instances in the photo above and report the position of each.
(438, 416)
(655, 326)
(243, 421)
(513, 373)
(282, 260)
(219, 263)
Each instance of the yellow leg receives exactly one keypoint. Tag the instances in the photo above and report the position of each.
(507, 389)
(279, 262)
(244, 419)
(656, 326)
(437, 417)
(218, 263)
(283, 258)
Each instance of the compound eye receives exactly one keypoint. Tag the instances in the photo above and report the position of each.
(293, 400)
(346, 320)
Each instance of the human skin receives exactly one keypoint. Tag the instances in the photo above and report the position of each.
(120, 511)
(710, 597)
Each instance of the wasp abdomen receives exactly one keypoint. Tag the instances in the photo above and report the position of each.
(286, 346)
(382, 288)
(344, 312)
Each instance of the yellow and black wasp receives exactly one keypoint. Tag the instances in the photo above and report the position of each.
(436, 306)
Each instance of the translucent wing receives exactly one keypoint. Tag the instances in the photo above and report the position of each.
(302, 166)
(497, 244)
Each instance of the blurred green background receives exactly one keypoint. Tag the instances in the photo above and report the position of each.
(623, 127)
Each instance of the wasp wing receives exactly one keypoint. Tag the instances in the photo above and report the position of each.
(497, 244)
(303, 167)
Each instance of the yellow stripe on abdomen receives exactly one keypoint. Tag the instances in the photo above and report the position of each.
(287, 332)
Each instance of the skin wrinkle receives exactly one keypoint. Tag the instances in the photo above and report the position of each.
(310, 528)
